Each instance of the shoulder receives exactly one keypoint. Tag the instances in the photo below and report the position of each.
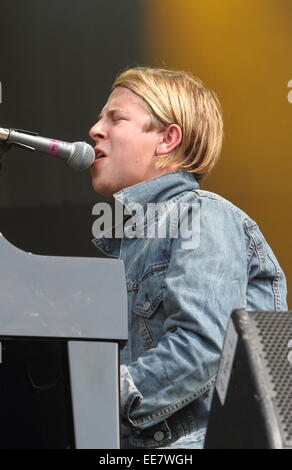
(210, 199)
(214, 206)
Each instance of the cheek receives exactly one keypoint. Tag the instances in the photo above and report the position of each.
(133, 146)
(127, 149)
(123, 141)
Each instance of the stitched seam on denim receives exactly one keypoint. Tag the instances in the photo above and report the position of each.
(147, 339)
(144, 222)
(177, 406)
(134, 396)
(190, 438)
(173, 202)
(180, 196)
(258, 249)
(153, 306)
(155, 268)
(245, 219)
(132, 286)
(168, 204)
(148, 440)
(275, 284)
(253, 245)
(179, 430)
(250, 250)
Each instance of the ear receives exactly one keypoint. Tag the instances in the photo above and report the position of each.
(170, 138)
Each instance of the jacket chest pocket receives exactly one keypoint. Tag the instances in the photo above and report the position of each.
(148, 309)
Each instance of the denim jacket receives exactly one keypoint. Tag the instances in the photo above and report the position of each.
(181, 292)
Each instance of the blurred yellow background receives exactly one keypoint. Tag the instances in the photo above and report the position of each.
(242, 50)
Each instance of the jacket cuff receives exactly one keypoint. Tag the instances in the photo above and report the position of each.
(131, 398)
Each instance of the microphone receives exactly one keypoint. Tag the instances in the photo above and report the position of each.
(78, 155)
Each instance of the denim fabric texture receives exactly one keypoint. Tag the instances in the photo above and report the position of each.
(180, 298)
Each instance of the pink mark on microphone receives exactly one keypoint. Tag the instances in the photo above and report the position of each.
(54, 147)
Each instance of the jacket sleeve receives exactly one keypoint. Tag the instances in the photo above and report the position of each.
(203, 284)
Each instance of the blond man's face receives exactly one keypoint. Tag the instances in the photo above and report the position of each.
(124, 149)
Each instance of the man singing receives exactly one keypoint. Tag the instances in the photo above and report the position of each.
(158, 135)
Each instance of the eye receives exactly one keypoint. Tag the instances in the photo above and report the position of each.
(118, 118)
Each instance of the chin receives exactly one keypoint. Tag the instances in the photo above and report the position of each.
(102, 189)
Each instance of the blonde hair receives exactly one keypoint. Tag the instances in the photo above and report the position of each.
(176, 97)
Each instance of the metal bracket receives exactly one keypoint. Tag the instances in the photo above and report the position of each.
(24, 146)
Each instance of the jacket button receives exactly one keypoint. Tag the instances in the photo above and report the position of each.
(158, 436)
(147, 306)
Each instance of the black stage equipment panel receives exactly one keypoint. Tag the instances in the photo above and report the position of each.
(252, 402)
(35, 398)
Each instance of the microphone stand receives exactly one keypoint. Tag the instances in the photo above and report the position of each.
(5, 147)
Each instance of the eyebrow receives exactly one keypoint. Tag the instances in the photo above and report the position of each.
(110, 113)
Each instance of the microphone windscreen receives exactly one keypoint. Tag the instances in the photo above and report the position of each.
(82, 156)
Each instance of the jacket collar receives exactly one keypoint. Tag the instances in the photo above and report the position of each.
(159, 189)
(156, 190)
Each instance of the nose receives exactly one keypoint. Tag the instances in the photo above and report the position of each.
(97, 131)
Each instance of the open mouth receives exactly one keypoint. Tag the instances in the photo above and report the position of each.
(99, 155)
